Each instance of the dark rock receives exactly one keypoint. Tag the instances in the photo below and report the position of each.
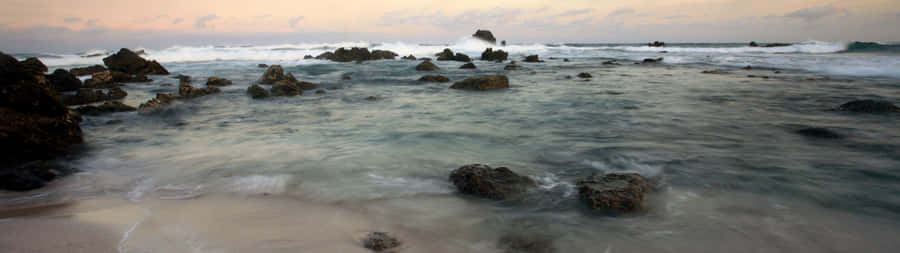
(503, 43)
(818, 132)
(107, 107)
(273, 74)
(447, 55)
(325, 56)
(777, 45)
(62, 80)
(491, 55)
(353, 54)
(493, 183)
(614, 193)
(308, 57)
(565, 59)
(748, 67)
(532, 58)
(651, 60)
(261, 65)
(382, 55)
(518, 243)
(160, 103)
(103, 79)
(116, 93)
(485, 35)
(129, 62)
(303, 85)
(656, 44)
(30, 176)
(286, 88)
(753, 44)
(257, 92)
(122, 77)
(584, 75)
(381, 242)
(868, 106)
(346, 78)
(468, 66)
(715, 72)
(32, 66)
(371, 98)
(187, 91)
(434, 79)
(320, 92)
(511, 66)
(610, 62)
(85, 96)
(217, 81)
(426, 66)
(166, 85)
(183, 78)
(87, 70)
(410, 57)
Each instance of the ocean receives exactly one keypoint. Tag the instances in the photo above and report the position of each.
(312, 173)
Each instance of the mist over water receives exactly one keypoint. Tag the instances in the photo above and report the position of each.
(734, 175)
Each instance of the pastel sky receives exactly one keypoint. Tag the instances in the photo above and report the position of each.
(65, 25)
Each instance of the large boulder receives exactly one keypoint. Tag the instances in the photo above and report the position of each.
(482, 83)
(353, 54)
(62, 80)
(105, 108)
(868, 106)
(493, 183)
(273, 74)
(491, 55)
(468, 65)
(426, 66)
(129, 62)
(257, 92)
(217, 81)
(485, 35)
(90, 70)
(615, 193)
(434, 79)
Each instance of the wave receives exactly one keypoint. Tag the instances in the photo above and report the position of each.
(872, 47)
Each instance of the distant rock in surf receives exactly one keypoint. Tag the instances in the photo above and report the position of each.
(447, 55)
(492, 183)
(482, 83)
(818, 132)
(427, 66)
(491, 55)
(257, 92)
(356, 54)
(486, 36)
(656, 44)
(777, 45)
(753, 44)
(434, 79)
(217, 81)
(158, 104)
(87, 70)
(187, 91)
(532, 58)
(584, 75)
(382, 55)
(129, 62)
(610, 63)
(381, 242)
(614, 193)
(409, 57)
(868, 106)
(651, 60)
(262, 65)
(308, 57)
(468, 66)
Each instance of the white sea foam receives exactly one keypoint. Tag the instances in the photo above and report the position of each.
(259, 184)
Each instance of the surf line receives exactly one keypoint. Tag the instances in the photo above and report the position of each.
(133, 227)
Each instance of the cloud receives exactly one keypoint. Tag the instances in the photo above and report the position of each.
(72, 20)
(676, 17)
(91, 22)
(570, 13)
(263, 16)
(621, 11)
(293, 22)
(815, 13)
(177, 21)
(202, 21)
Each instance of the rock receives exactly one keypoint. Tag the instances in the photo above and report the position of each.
(87, 70)
(492, 183)
(187, 91)
(491, 55)
(371, 98)
(651, 60)
(103, 79)
(868, 106)
(518, 243)
(748, 67)
(777, 45)
(584, 75)
(62, 80)
(262, 65)
(183, 78)
(129, 62)
(166, 85)
(382, 55)
(818, 132)
(107, 107)
(217, 81)
(380, 242)
(565, 59)
(273, 74)
(410, 57)
(753, 44)
(320, 92)
(346, 78)
(656, 44)
(116, 93)
(532, 58)
(426, 66)
(32, 66)
(511, 66)
(485, 35)
(303, 85)
(447, 55)
(85, 96)
(353, 54)
(610, 62)
(614, 193)
(257, 92)
(122, 77)
(715, 72)
(160, 103)
(325, 56)
(30, 176)
(286, 88)
(308, 57)
(468, 66)
(434, 79)
(483, 83)
(503, 43)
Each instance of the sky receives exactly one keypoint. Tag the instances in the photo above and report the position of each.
(72, 26)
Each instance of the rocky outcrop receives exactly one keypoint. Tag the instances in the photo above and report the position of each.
(868, 106)
(410, 57)
(381, 242)
(614, 193)
(273, 74)
(493, 183)
(116, 93)
(447, 55)
(656, 44)
(131, 63)
(217, 81)
(87, 70)
(382, 55)
(426, 66)
(468, 66)
(256, 92)
(325, 56)
(818, 132)
(356, 54)
(434, 79)
(610, 63)
(62, 80)
(308, 57)
(112, 78)
(286, 88)
(584, 75)
(303, 85)
(533, 58)
(105, 108)
(485, 35)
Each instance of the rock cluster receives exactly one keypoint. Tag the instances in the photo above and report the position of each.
(656, 44)
(105, 108)
(87, 70)
(447, 55)
(185, 91)
(282, 85)
(131, 63)
(356, 54)
(491, 55)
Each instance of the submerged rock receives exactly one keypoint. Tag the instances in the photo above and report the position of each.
(62, 80)
(371, 98)
(777, 45)
(105, 108)
(753, 44)
(584, 75)
(434, 79)
(611, 62)
(868, 106)
(426, 66)
(129, 62)
(381, 242)
(486, 36)
(257, 92)
(217, 81)
(303, 85)
(511, 66)
(483, 83)
(87, 70)
(614, 193)
(468, 66)
(321, 92)
(532, 58)
(818, 132)
(493, 183)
